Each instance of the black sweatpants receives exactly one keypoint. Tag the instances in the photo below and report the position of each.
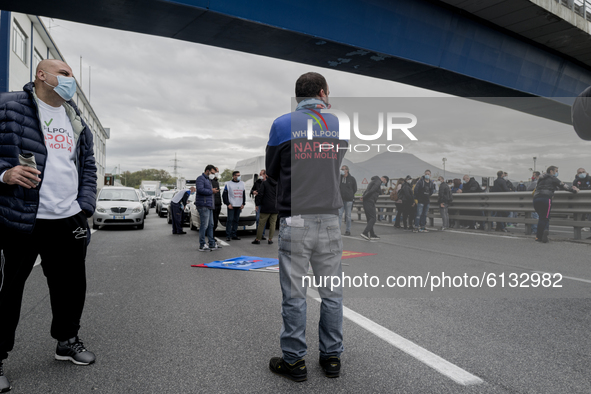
(369, 208)
(216, 216)
(62, 246)
(177, 217)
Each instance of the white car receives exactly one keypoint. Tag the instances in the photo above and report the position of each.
(118, 206)
(247, 220)
(163, 204)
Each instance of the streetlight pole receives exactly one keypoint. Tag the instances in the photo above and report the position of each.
(444, 160)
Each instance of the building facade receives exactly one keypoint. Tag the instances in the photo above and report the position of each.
(24, 42)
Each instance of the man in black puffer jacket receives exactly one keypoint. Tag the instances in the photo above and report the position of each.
(369, 199)
(265, 200)
(44, 211)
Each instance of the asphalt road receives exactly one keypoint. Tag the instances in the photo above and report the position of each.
(159, 325)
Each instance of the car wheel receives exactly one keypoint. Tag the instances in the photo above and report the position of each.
(141, 226)
(95, 226)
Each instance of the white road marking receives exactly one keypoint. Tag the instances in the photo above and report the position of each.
(223, 243)
(481, 234)
(439, 364)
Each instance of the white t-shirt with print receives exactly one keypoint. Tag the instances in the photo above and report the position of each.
(59, 186)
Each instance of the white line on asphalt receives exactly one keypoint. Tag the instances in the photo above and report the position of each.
(222, 242)
(481, 234)
(439, 364)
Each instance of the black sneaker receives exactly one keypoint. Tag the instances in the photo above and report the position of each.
(228, 239)
(296, 371)
(545, 236)
(236, 238)
(73, 350)
(347, 233)
(4, 383)
(331, 366)
(365, 236)
(204, 248)
(270, 242)
(373, 237)
(256, 242)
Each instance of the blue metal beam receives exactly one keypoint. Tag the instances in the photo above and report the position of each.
(416, 42)
(4, 50)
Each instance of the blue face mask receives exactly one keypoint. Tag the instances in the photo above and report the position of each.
(556, 174)
(66, 86)
(238, 178)
(427, 176)
(342, 172)
(583, 175)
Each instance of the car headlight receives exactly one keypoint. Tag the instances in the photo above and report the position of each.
(137, 210)
(101, 210)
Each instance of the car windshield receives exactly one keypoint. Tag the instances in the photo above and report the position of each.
(168, 195)
(118, 195)
(150, 192)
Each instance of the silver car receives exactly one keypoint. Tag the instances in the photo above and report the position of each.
(163, 204)
(118, 206)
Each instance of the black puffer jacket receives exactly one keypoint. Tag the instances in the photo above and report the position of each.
(267, 196)
(445, 196)
(548, 184)
(406, 194)
(374, 189)
(471, 186)
(583, 183)
(20, 132)
(348, 186)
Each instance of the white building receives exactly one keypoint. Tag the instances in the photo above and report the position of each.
(24, 42)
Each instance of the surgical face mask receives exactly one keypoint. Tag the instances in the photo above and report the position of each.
(212, 176)
(409, 181)
(556, 174)
(506, 178)
(66, 86)
(238, 178)
(463, 181)
(342, 172)
(582, 175)
(427, 176)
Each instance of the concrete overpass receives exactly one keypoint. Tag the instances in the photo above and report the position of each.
(468, 48)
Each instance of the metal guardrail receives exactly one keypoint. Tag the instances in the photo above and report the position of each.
(580, 7)
(568, 209)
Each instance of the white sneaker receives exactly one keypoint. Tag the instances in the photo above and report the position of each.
(204, 248)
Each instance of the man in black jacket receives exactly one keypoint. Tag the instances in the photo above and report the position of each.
(265, 201)
(44, 211)
(254, 191)
(471, 185)
(445, 198)
(348, 187)
(422, 193)
(582, 180)
(217, 199)
(499, 186)
(408, 202)
(369, 198)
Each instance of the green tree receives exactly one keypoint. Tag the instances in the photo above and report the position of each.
(226, 175)
(134, 179)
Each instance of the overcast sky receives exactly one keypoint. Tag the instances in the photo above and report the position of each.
(210, 105)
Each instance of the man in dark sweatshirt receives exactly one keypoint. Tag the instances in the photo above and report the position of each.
(369, 199)
(308, 201)
(348, 186)
(500, 185)
(422, 193)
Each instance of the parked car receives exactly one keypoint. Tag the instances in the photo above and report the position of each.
(247, 221)
(186, 212)
(145, 201)
(163, 203)
(118, 206)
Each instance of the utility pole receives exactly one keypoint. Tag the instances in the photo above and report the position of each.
(535, 158)
(175, 166)
(444, 160)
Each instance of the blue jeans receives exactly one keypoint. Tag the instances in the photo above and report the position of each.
(534, 227)
(206, 226)
(258, 216)
(232, 222)
(317, 242)
(346, 208)
(421, 218)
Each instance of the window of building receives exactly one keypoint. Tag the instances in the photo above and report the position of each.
(36, 58)
(19, 42)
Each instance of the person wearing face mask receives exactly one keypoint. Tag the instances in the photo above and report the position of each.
(422, 193)
(254, 193)
(215, 184)
(45, 204)
(205, 203)
(348, 188)
(583, 182)
(234, 197)
(547, 185)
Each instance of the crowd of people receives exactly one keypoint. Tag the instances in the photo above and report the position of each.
(412, 198)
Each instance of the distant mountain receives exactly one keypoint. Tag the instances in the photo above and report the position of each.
(395, 165)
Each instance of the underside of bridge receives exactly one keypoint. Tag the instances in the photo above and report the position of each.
(427, 44)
